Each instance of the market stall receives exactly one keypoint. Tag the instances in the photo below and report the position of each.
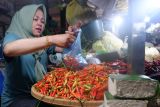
(111, 60)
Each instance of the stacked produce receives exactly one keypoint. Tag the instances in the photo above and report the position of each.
(71, 63)
(152, 69)
(108, 43)
(118, 66)
(87, 84)
(151, 54)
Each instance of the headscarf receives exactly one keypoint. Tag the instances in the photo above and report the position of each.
(21, 25)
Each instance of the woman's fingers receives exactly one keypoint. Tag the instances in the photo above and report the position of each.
(72, 34)
(78, 24)
(69, 32)
(70, 28)
(66, 40)
(71, 40)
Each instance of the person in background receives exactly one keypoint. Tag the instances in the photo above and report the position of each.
(25, 50)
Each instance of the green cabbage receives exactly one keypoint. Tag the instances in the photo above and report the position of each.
(98, 47)
(108, 43)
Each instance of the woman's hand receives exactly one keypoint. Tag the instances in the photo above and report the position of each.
(75, 27)
(63, 40)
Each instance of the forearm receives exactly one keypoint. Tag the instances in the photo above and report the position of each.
(24, 46)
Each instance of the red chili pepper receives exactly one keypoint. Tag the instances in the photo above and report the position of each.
(53, 93)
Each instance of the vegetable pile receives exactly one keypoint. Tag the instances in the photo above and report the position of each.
(71, 63)
(118, 66)
(90, 83)
(108, 43)
(152, 69)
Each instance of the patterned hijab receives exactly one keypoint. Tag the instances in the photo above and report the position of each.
(21, 25)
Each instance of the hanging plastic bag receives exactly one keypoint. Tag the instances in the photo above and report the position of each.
(76, 60)
(75, 48)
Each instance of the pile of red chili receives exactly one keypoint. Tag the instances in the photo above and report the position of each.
(87, 84)
(152, 69)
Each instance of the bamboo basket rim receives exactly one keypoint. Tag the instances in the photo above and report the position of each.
(64, 102)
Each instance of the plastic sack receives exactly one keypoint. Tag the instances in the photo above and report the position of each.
(75, 51)
(75, 48)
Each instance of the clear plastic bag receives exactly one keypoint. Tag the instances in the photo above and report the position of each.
(75, 48)
(75, 51)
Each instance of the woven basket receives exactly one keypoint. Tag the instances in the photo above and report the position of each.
(64, 102)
